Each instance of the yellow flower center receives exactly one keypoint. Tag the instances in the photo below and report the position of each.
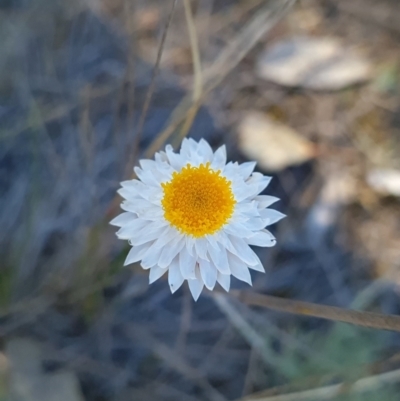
(198, 200)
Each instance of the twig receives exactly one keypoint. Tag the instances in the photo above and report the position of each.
(254, 339)
(366, 319)
(130, 79)
(259, 25)
(150, 91)
(198, 79)
(328, 392)
(194, 46)
(175, 361)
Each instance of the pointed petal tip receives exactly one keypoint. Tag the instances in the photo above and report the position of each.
(196, 297)
(173, 288)
(195, 287)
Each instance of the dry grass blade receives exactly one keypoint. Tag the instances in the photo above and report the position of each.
(329, 392)
(255, 340)
(22, 314)
(194, 45)
(198, 79)
(150, 91)
(176, 362)
(264, 20)
(366, 319)
(258, 26)
(129, 9)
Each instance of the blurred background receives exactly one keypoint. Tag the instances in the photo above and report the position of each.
(309, 89)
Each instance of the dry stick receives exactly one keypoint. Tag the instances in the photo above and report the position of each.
(150, 91)
(328, 392)
(366, 319)
(130, 77)
(364, 371)
(261, 23)
(194, 45)
(175, 361)
(252, 337)
(198, 79)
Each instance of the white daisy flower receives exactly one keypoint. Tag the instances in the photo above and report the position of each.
(195, 216)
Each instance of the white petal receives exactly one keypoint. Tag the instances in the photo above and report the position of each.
(163, 175)
(123, 219)
(265, 200)
(257, 187)
(262, 238)
(240, 192)
(190, 244)
(140, 191)
(211, 240)
(205, 150)
(258, 267)
(154, 213)
(134, 185)
(175, 278)
(263, 182)
(149, 233)
(134, 207)
(193, 145)
(170, 252)
(187, 264)
(195, 286)
(185, 150)
(126, 193)
(231, 171)
(151, 257)
(158, 158)
(136, 253)
(176, 160)
(155, 273)
(257, 177)
(135, 204)
(243, 251)
(224, 240)
(161, 157)
(239, 269)
(246, 169)
(196, 159)
(200, 245)
(255, 224)
(238, 230)
(153, 254)
(247, 208)
(219, 159)
(132, 229)
(219, 258)
(147, 164)
(146, 177)
(208, 273)
(224, 280)
(271, 215)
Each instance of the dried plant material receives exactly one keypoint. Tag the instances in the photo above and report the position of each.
(273, 145)
(320, 64)
(264, 20)
(385, 181)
